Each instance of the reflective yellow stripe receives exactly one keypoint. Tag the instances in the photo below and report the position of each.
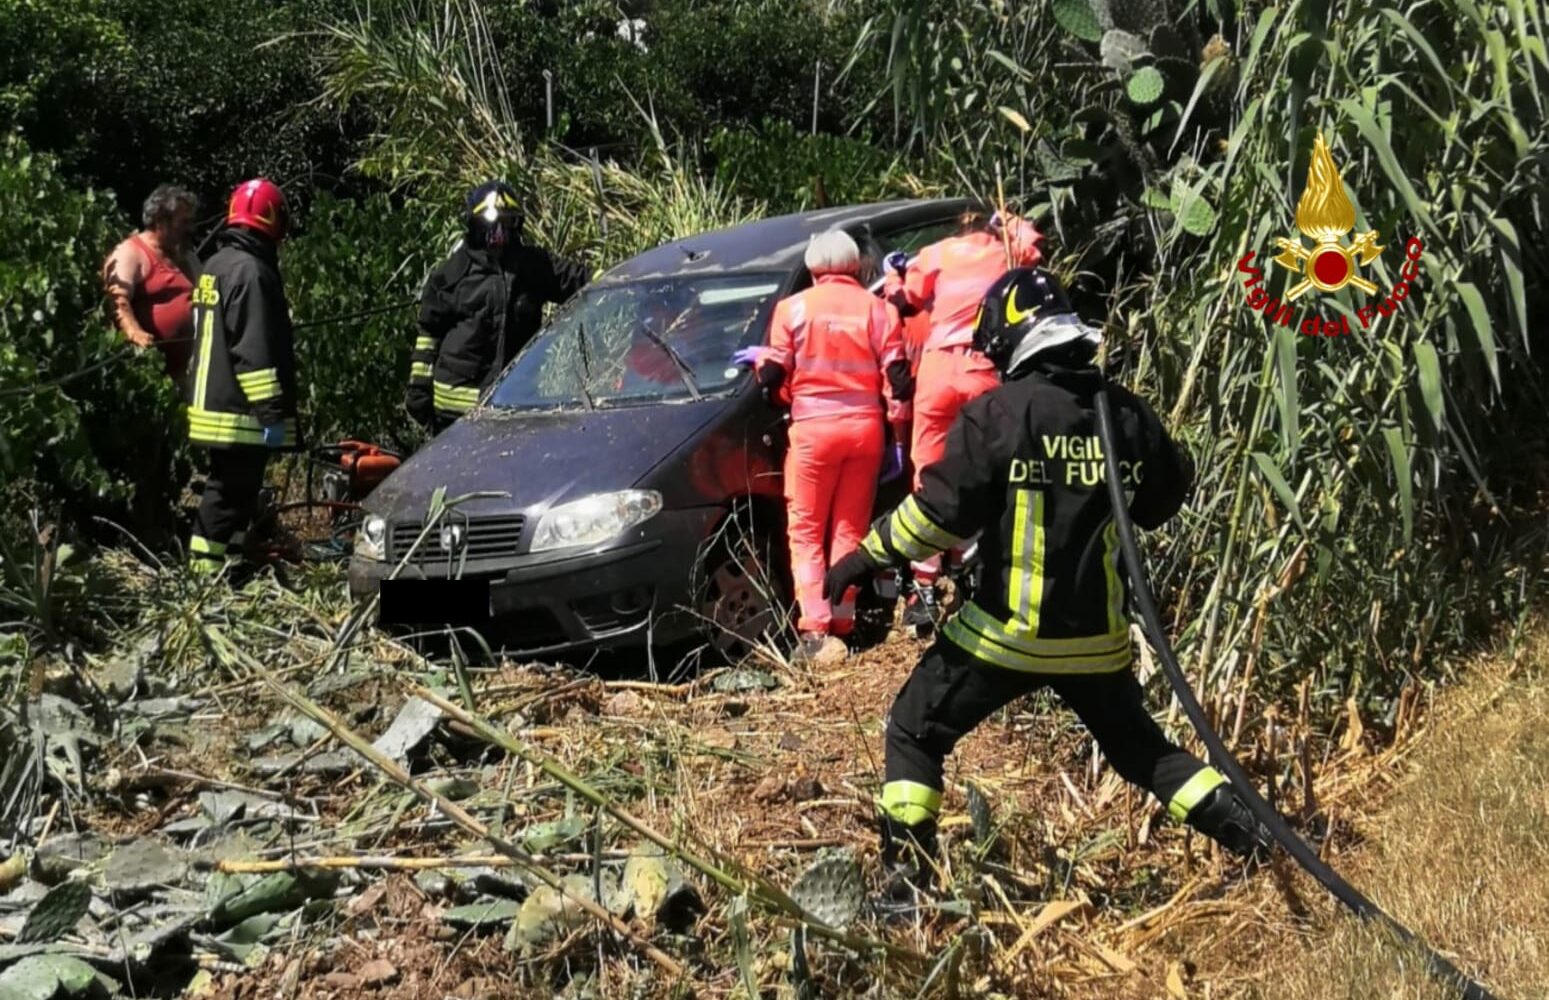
(455, 398)
(209, 427)
(1111, 577)
(924, 528)
(425, 343)
(1025, 599)
(910, 802)
(419, 369)
(978, 634)
(1011, 635)
(914, 535)
(261, 393)
(872, 546)
(205, 547)
(1193, 792)
(259, 377)
(206, 348)
(904, 540)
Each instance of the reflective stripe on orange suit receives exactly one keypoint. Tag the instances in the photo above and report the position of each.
(834, 341)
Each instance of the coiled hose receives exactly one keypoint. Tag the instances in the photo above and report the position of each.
(1222, 758)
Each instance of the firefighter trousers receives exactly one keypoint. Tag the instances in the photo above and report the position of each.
(831, 472)
(951, 692)
(229, 502)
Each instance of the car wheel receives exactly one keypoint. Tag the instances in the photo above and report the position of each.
(745, 598)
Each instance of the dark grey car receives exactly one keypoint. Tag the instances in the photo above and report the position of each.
(635, 473)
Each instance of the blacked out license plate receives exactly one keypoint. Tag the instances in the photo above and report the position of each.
(435, 602)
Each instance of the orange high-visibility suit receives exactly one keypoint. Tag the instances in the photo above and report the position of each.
(946, 282)
(835, 342)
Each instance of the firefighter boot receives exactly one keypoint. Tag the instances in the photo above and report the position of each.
(908, 868)
(1224, 817)
(922, 612)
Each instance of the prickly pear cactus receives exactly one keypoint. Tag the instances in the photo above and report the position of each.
(1119, 50)
(1198, 217)
(1145, 86)
(1078, 18)
(982, 817)
(1139, 16)
(56, 914)
(830, 889)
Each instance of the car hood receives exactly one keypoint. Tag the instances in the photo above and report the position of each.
(540, 458)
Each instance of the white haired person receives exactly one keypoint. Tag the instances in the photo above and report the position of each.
(149, 276)
(833, 349)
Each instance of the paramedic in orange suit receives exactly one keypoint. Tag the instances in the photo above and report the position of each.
(835, 347)
(947, 281)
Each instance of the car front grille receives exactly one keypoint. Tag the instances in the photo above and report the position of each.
(483, 538)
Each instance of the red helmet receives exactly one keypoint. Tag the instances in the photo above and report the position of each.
(259, 204)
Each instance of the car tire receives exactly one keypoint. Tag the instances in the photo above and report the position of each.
(744, 590)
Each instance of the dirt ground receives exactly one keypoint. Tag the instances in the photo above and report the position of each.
(1088, 890)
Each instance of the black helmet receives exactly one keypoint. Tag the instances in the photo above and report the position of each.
(494, 216)
(1010, 310)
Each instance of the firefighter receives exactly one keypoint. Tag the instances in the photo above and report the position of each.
(1024, 466)
(947, 281)
(480, 307)
(834, 347)
(243, 392)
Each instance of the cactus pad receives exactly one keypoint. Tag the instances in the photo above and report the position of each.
(1146, 86)
(1119, 49)
(56, 914)
(1078, 18)
(830, 890)
(982, 817)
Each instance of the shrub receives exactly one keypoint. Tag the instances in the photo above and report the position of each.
(85, 422)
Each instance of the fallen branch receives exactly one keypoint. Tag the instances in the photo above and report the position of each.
(754, 887)
(231, 867)
(461, 816)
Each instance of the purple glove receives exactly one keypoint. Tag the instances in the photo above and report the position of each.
(892, 464)
(997, 222)
(748, 356)
(896, 261)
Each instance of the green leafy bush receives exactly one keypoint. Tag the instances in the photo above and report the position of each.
(792, 169)
(132, 93)
(372, 256)
(85, 422)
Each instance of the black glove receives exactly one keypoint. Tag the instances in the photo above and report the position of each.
(851, 571)
(420, 405)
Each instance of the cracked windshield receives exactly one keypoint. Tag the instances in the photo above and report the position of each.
(644, 342)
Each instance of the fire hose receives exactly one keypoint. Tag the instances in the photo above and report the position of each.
(1222, 758)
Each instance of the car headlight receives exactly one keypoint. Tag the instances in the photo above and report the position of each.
(595, 519)
(371, 539)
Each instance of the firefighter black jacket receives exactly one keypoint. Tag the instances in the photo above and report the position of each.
(476, 312)
(1024, 466)
(244, 376)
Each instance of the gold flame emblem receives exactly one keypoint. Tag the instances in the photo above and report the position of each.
(1324, 215)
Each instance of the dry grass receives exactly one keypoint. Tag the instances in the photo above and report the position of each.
(1459, 852)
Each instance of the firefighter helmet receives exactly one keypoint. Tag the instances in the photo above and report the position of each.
(259, 204)
(494, 216)
(1012, 308)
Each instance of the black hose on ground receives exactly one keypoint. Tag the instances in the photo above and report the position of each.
(1222, 758)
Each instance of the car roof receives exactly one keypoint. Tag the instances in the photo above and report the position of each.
(774, 244)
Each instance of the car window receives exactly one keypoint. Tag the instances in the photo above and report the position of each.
(914, 239)
(606, 344)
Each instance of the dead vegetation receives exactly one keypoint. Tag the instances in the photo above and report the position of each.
(258, 810)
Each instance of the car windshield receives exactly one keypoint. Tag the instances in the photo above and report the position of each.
(642, 342)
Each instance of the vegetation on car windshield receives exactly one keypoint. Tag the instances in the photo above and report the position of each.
(643, 342)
